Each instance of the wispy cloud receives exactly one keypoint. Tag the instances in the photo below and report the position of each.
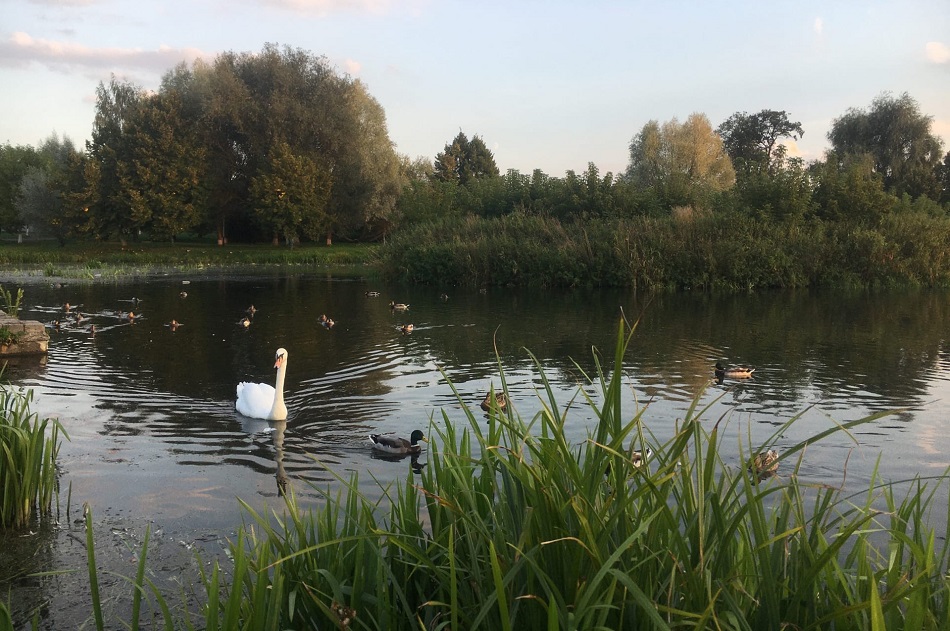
(326, 7)
(352, 67)
(938, 52)
(818, 26)
(21, 50)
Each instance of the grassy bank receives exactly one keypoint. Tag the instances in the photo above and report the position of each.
(83, 259)
(685, 251)
(506, 525)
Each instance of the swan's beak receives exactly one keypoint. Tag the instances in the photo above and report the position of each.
(280, 360)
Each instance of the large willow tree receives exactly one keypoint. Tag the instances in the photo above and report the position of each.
(274, 145)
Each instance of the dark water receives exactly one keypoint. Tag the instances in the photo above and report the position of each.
(155, 437)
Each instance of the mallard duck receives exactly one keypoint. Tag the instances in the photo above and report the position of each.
(637, 458)
(398, 306)
(251, 311)
(500, 400)
(765, 463)
(245, 322)
(443, 297)
(183, 295)
(395, 445)
(326, 322)
(174, 324)
(733, 372)
(406, 329)
(372, 294)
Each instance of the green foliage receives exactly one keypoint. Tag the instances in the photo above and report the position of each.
(15, 162)
(905, 153)
(28, 451)
(11, 305)
(683, 162)
(751, 139)
(510, 526)
(464, 161)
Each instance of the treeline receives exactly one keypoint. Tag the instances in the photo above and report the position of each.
(277, 146)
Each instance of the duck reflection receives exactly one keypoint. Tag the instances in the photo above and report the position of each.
(414, 463)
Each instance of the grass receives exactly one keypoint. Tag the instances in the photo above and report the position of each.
(28, 450)
(509, 526)
(88, 260)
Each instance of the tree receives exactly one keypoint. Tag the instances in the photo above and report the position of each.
(898, 138)
(15, 162)
(851, 190)
(163, 178)
(44, 192)
(109, 212)
(290, 196)
(751, 139)
(464, 160)
(684, 163)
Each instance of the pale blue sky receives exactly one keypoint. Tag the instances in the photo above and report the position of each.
(550, 85)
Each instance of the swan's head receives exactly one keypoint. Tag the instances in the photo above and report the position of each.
(280, 358)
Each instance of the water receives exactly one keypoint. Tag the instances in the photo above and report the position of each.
(154, 437)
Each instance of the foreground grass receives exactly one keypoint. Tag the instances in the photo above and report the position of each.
(28, 451)
(102, 259)
(508, 526)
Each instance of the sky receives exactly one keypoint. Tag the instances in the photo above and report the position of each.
(547, 84)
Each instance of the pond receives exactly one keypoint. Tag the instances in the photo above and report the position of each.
(155, 439)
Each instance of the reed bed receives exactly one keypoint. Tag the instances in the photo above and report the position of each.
(507, 525)
(28, 451)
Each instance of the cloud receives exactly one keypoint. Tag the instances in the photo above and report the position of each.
(352, 67)
(938, 52)
(21, 50)
(325, 7)
(818, 26)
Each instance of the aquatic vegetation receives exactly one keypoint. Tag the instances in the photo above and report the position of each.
(507, 525)
(28, 450)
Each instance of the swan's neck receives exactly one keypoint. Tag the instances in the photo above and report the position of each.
(278, 411)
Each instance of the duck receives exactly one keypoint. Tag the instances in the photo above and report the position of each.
(261, 400)
(174, 324)
(395, 445)
(406, 329)
(183, 295)
(372, 294)
(765, 463)
(245, 322)
(443, 297)
(637, 458)
(734, 372)
(398, 306)
(251, 311)
(326, 322)
(500, 400)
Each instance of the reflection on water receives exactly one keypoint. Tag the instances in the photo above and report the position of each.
(150, 406)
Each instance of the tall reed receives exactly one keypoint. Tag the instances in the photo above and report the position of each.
(512, 527)
(28, 451)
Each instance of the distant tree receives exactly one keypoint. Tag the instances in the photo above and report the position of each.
(109, 213)
(751, 140)
(464, 160)
(851, 190)
(290, 196)
(15, 162)
(44, 193)
(684, 163)
(897, 136)
(162, 180)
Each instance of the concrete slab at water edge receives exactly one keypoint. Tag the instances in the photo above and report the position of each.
(31, 336)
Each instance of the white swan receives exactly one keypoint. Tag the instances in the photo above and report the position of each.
(261, 400)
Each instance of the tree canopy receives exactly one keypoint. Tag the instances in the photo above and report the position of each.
(682, 162)
(750, 139)
(898, 138)
(464, 160)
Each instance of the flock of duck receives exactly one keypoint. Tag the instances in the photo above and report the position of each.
(264, 401)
